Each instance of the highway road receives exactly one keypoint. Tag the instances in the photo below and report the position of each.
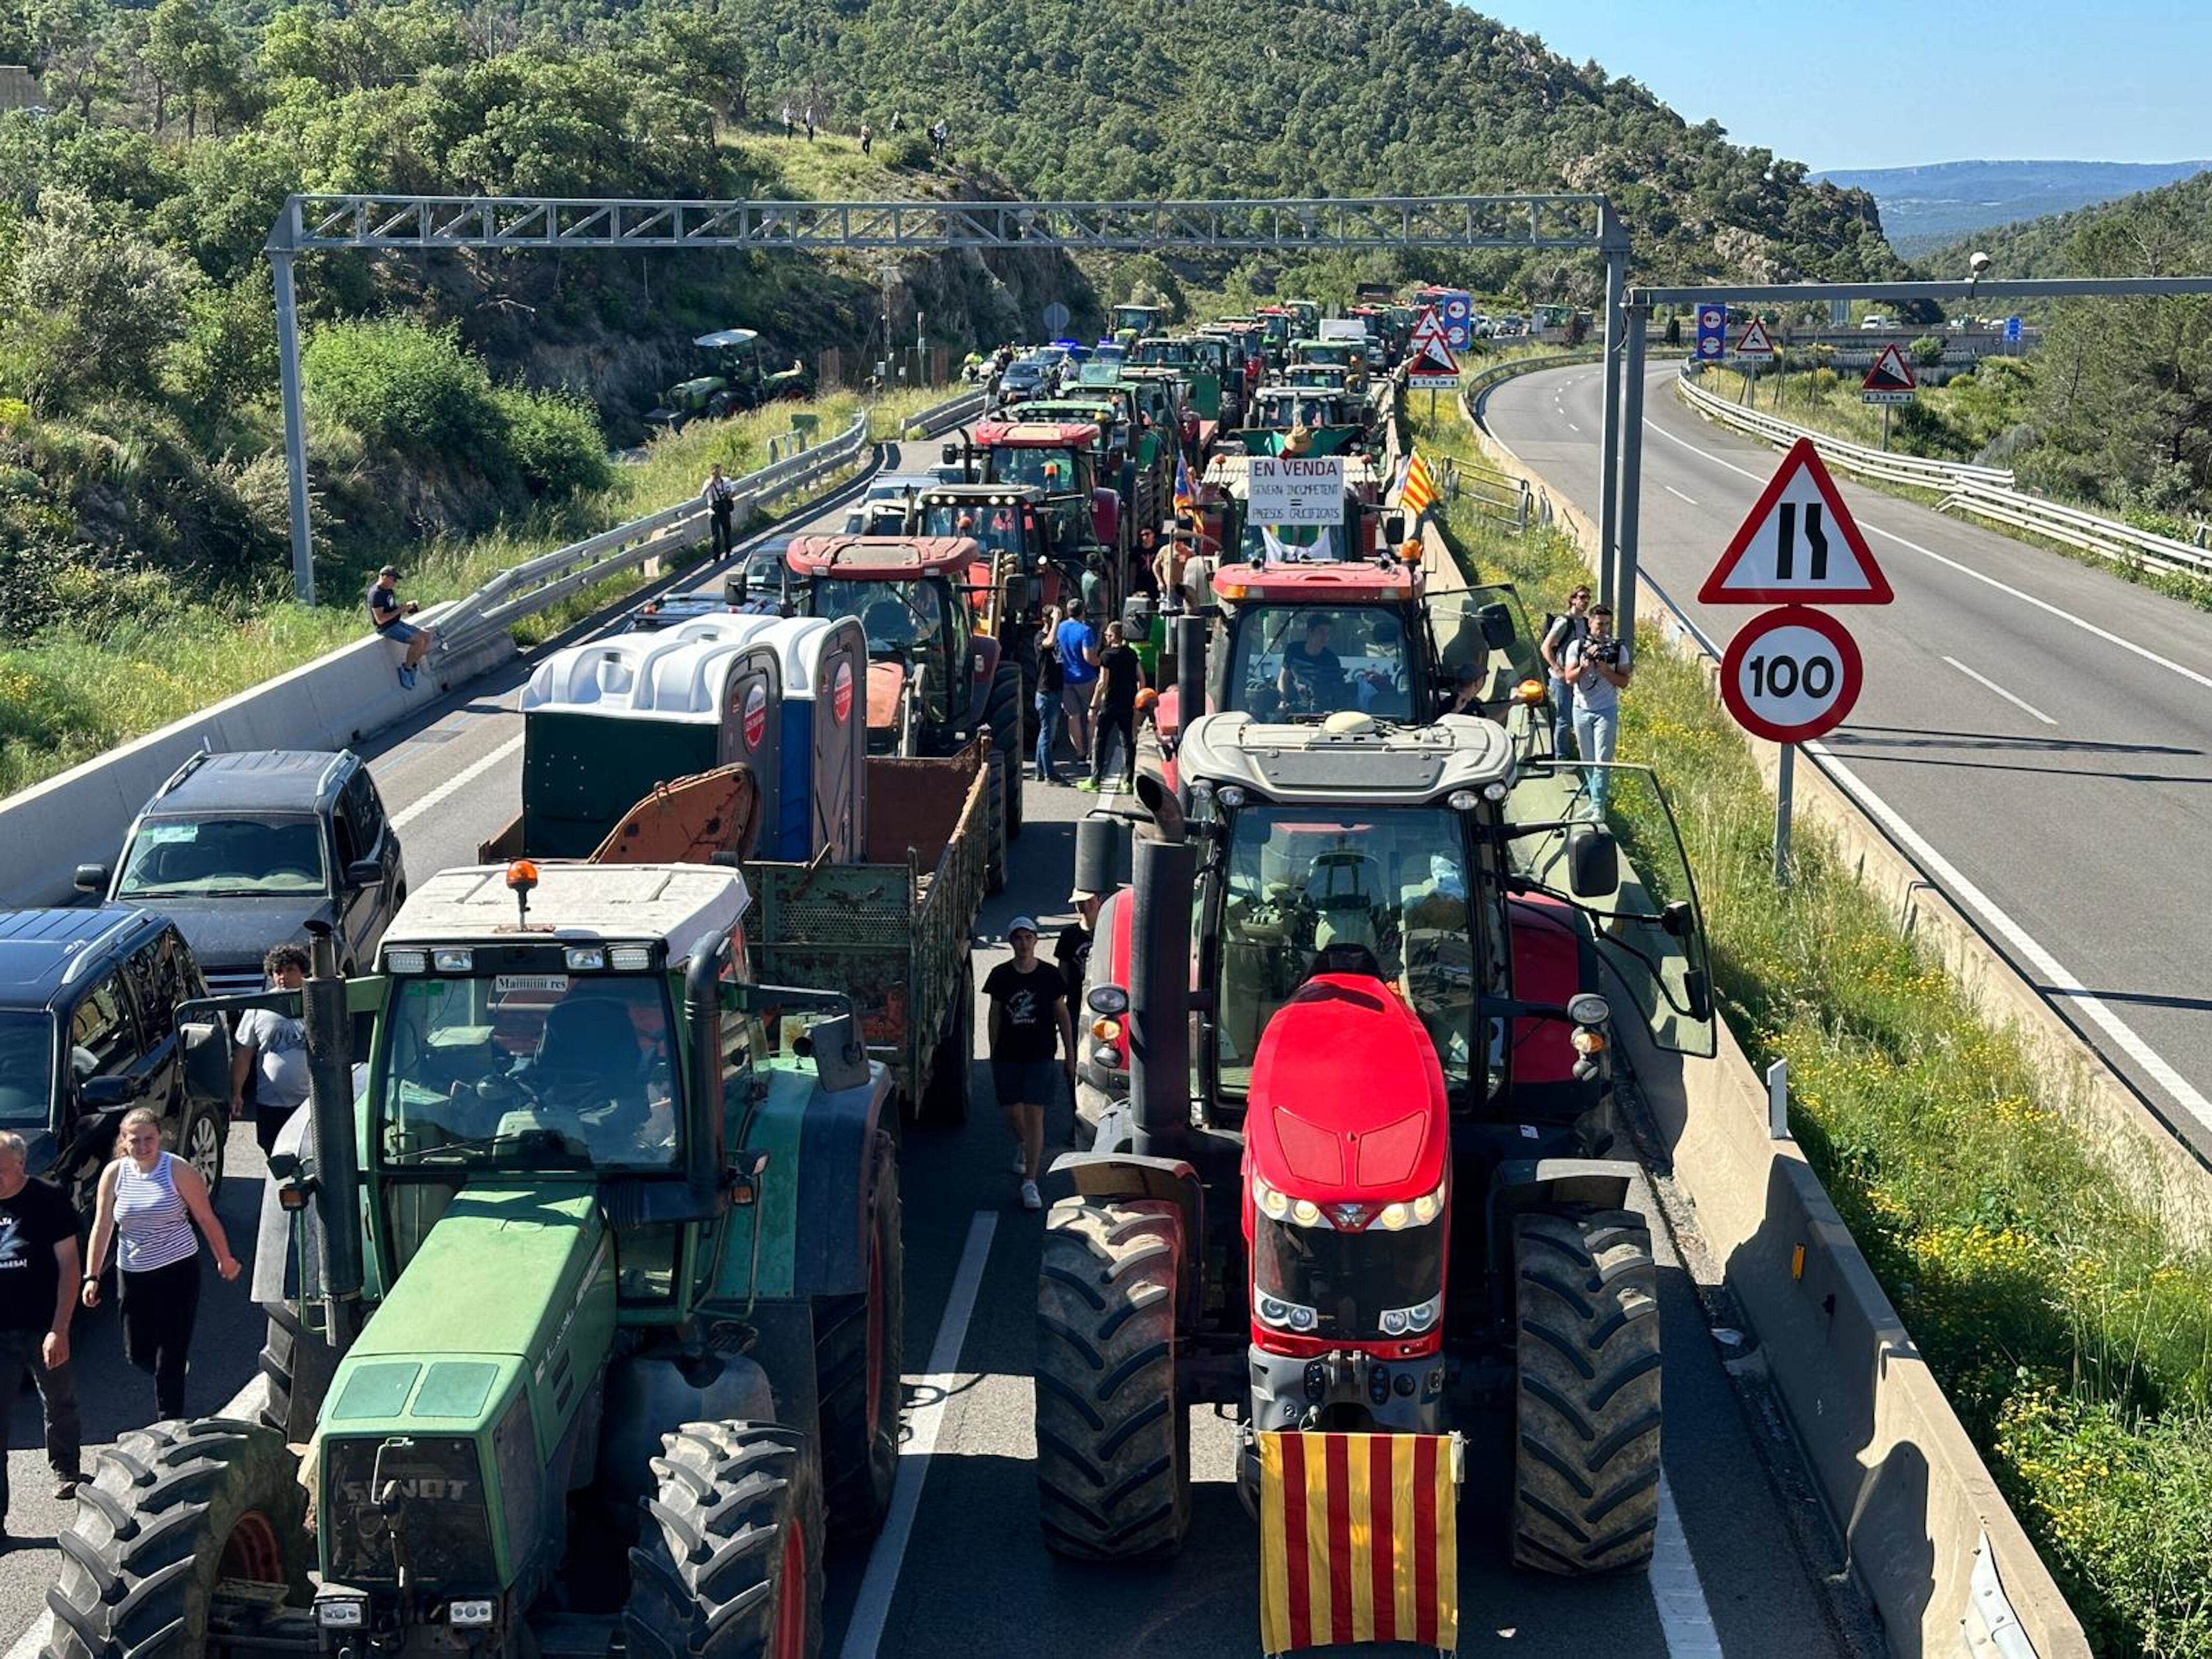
(2033, 729)
(960, 1570)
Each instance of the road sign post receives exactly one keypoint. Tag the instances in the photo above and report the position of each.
(1431, 362)
(1889, 382)
(1783, 780)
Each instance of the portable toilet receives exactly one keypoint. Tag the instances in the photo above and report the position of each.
(605, 725)
(823, 805)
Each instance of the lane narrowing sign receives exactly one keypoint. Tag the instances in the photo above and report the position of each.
(1799, 544)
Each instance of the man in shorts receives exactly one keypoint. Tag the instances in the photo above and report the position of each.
(387, 616)
(1030, 1023)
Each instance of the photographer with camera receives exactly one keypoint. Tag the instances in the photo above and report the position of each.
(1597, 667)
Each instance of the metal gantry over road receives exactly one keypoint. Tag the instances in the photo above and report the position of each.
(327, 223)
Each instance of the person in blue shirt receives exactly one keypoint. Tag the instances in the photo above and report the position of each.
(1077, 642)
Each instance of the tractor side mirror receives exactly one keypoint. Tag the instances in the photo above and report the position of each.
(1592, 861)
(1497, 623)
(736, 590)
(840, 1060)
(207, 1050)
(1394, 529)
(951, 454)
(1675, 919)
(1697, 992)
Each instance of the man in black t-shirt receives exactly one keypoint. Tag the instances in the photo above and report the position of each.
(1028, 1023)
(1113, 709)
(1312, 677)
(40, 1273)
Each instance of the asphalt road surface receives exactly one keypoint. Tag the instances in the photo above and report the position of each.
(2037, 724)
(960, 1570)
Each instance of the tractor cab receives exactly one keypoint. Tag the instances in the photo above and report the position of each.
(1318, 377)
(1058, 458)
(735, 374)
(1335, 418)
(928, 653)
(1350, 355)
(1132, 323)
(1200, 361)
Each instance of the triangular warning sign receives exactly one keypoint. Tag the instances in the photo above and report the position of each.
(1799, 544)
(1430, 330)
(1890, 372)
(1755, 342)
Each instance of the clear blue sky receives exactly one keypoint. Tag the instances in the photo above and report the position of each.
(1893, 83)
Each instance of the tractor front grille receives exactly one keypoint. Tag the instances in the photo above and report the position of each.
(436, 1518)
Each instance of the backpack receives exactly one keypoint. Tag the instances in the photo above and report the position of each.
(1578, 629)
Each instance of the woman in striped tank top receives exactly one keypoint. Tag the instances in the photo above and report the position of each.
(151, 1199)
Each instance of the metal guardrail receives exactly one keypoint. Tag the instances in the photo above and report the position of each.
(1852, 458)
(1982, 492)
(525, 589)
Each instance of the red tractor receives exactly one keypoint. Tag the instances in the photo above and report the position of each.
(938, 678)
(1061, 458)
(1367, 1167)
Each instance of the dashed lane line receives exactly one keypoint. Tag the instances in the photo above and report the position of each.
(1984, 680)
(924, 1422)
(453, 786)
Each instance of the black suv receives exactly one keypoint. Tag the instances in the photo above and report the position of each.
(242, 851)
(89, 1029)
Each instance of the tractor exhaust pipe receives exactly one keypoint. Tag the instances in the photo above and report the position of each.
(331, 1108)
(1190, 668)
(1163, 875)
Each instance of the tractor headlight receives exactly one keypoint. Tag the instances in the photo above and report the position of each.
(453, 962)
(1414, 1212)
(341, 1612)
(1411, 1321)
(1588, 1008)
(1105, 1053)
(472, 1614)
(1306, 1212)
(587, 958)
(1275, 1206)
(1286, 1316)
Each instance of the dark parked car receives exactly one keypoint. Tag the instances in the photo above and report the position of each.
(89, 1029)
(242, 851)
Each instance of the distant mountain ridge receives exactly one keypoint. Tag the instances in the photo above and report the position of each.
(1924, 207)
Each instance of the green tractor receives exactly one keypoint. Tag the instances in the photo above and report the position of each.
(584, 1307)
(733, 376)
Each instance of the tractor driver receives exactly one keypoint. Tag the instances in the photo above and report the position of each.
(1312, 674)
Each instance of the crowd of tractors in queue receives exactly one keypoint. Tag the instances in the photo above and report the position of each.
(583, 1262)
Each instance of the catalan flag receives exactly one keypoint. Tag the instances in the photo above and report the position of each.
(1416, 492)
(1186, 493)
(1358, 1540)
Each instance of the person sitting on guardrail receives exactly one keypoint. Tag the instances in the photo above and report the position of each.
(388, 614)
(1597, 667)
(721, 498)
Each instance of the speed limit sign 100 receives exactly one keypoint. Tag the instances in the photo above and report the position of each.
(1791, 674)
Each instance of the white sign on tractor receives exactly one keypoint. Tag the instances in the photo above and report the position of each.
(1296, 490)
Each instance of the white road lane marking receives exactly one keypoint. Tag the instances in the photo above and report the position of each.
(1572, 427)
(453, 785)
(1677, 494)
(1685, 1620)
(2109, 638)
(2017, 702)
(34, 1640)
(872, 1607)
(2063, 986)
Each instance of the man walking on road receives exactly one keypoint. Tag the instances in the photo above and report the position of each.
(1077, 643)
(721, 498)
(1029, 1022)
(1598, 668)
(1562, 632)
(1114, 709)
(40, 1269)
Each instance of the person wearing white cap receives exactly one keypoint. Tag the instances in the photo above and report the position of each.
(1030, 1023)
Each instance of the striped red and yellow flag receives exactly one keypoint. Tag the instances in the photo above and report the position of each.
(1418, 493)
(1358, 1540)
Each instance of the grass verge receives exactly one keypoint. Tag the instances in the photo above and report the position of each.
(2072, 1333)
(72, 695)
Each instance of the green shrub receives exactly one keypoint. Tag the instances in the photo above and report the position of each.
(1927, 350)
(555, 439)
(406, 387)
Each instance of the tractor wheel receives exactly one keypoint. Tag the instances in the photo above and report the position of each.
(857, 1371)
(299, 1365)
(952, 1069)
(995, 849)
(1586, 1478)
(1002, 713)
(728, 1565)
(1113, 1430)
(721, 406)
(172, 1512)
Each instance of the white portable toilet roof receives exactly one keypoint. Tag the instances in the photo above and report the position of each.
(660, 677)
(799, 641)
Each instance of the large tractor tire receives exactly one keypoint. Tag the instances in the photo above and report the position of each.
(944, 1103)
(1113, 1429)
(858, 1368)
(994, 847)
(1002, 713)
(728, 1562)
(1586, 1475)
(299, 1365)
(172, 1512)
